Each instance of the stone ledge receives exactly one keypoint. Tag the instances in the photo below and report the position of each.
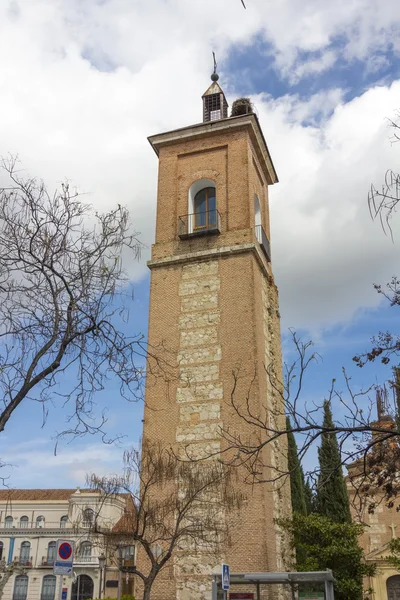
(214, 253)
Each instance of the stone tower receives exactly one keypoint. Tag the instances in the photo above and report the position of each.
(214, 309)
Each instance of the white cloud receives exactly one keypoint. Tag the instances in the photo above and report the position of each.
(87, 82)
(326, 250)
(33, 463)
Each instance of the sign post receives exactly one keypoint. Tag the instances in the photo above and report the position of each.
(63, 563)
(226, 579)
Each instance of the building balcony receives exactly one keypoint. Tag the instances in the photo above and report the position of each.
(35, 526)
(90, 561)
(201, 223)
(25, 562)
(47, 562)
(262, 239)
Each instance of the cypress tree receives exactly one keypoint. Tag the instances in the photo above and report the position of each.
(297, 485)
(332, 497)
(396, 385)
(310, 498)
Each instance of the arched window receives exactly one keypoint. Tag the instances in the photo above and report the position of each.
(88, 517)
(63, 521)
(24, 553)
(24, 522)
(8, 522)
(1, 550)
(51, 553)
(85, 551)
(20, 587)
(202, 208)
(48, 587)
(205, 209)
(393, 587)
(40, 520)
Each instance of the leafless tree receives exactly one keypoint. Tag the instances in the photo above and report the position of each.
(174, 509)
(383, 203)
(7, 571)
(364, 437)
(62, 295)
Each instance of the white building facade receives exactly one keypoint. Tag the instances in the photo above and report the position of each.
(31, 522)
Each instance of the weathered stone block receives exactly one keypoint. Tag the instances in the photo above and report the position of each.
(192, 320)
(200, 269)
(199, 337)
(205, 411)
(196, 374)
(200, 432)
(200, 302)
(199, 286)
(192, 356)
(209, 391)
(201, 451)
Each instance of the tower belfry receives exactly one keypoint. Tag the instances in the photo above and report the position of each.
(214, 309)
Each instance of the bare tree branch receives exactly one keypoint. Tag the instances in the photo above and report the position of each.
(62, 294)
(174, 509)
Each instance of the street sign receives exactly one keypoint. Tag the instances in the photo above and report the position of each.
(64, 558)
(64, 594)
(226, 577)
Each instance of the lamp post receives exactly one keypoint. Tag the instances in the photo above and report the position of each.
(102, 564)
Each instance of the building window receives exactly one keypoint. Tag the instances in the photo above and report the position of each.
(1, 550)
(8, 522)
(51, 553)
(24, 553)
(63, 521)
(88, 517)
(20, 587)
(129, 552)
(24, 522)
(48, 587)
(40, 520)
(205, 209)
(85, 550)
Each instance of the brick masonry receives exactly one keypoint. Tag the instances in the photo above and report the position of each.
(213, 312)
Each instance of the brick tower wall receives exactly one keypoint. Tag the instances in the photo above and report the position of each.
(214, 310)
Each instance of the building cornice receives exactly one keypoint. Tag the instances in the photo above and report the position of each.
(217, 127)
(213, 253)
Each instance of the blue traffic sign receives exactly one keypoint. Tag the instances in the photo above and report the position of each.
(226, 577)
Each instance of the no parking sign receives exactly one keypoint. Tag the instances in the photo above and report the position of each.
(64, 558)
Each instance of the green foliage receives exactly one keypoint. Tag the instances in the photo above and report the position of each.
(394, 558)
(296, 474)
(309, 497)
(321, 543)
(332, 497)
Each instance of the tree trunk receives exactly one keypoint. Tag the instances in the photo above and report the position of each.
(147, 590)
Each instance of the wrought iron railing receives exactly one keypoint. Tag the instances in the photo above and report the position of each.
(87, 560)
(36, 525)
(200, 223)
(47, 561)
(263, 241)
(25, 561)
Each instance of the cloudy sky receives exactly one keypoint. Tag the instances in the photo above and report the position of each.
(84, 82)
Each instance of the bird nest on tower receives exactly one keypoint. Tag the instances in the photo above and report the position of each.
(242, 106)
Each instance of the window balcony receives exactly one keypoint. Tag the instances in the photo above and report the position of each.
(200, 223)
(34, 525)
(26, 562)
(86, 560)
(47, 562)
(263, 241)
